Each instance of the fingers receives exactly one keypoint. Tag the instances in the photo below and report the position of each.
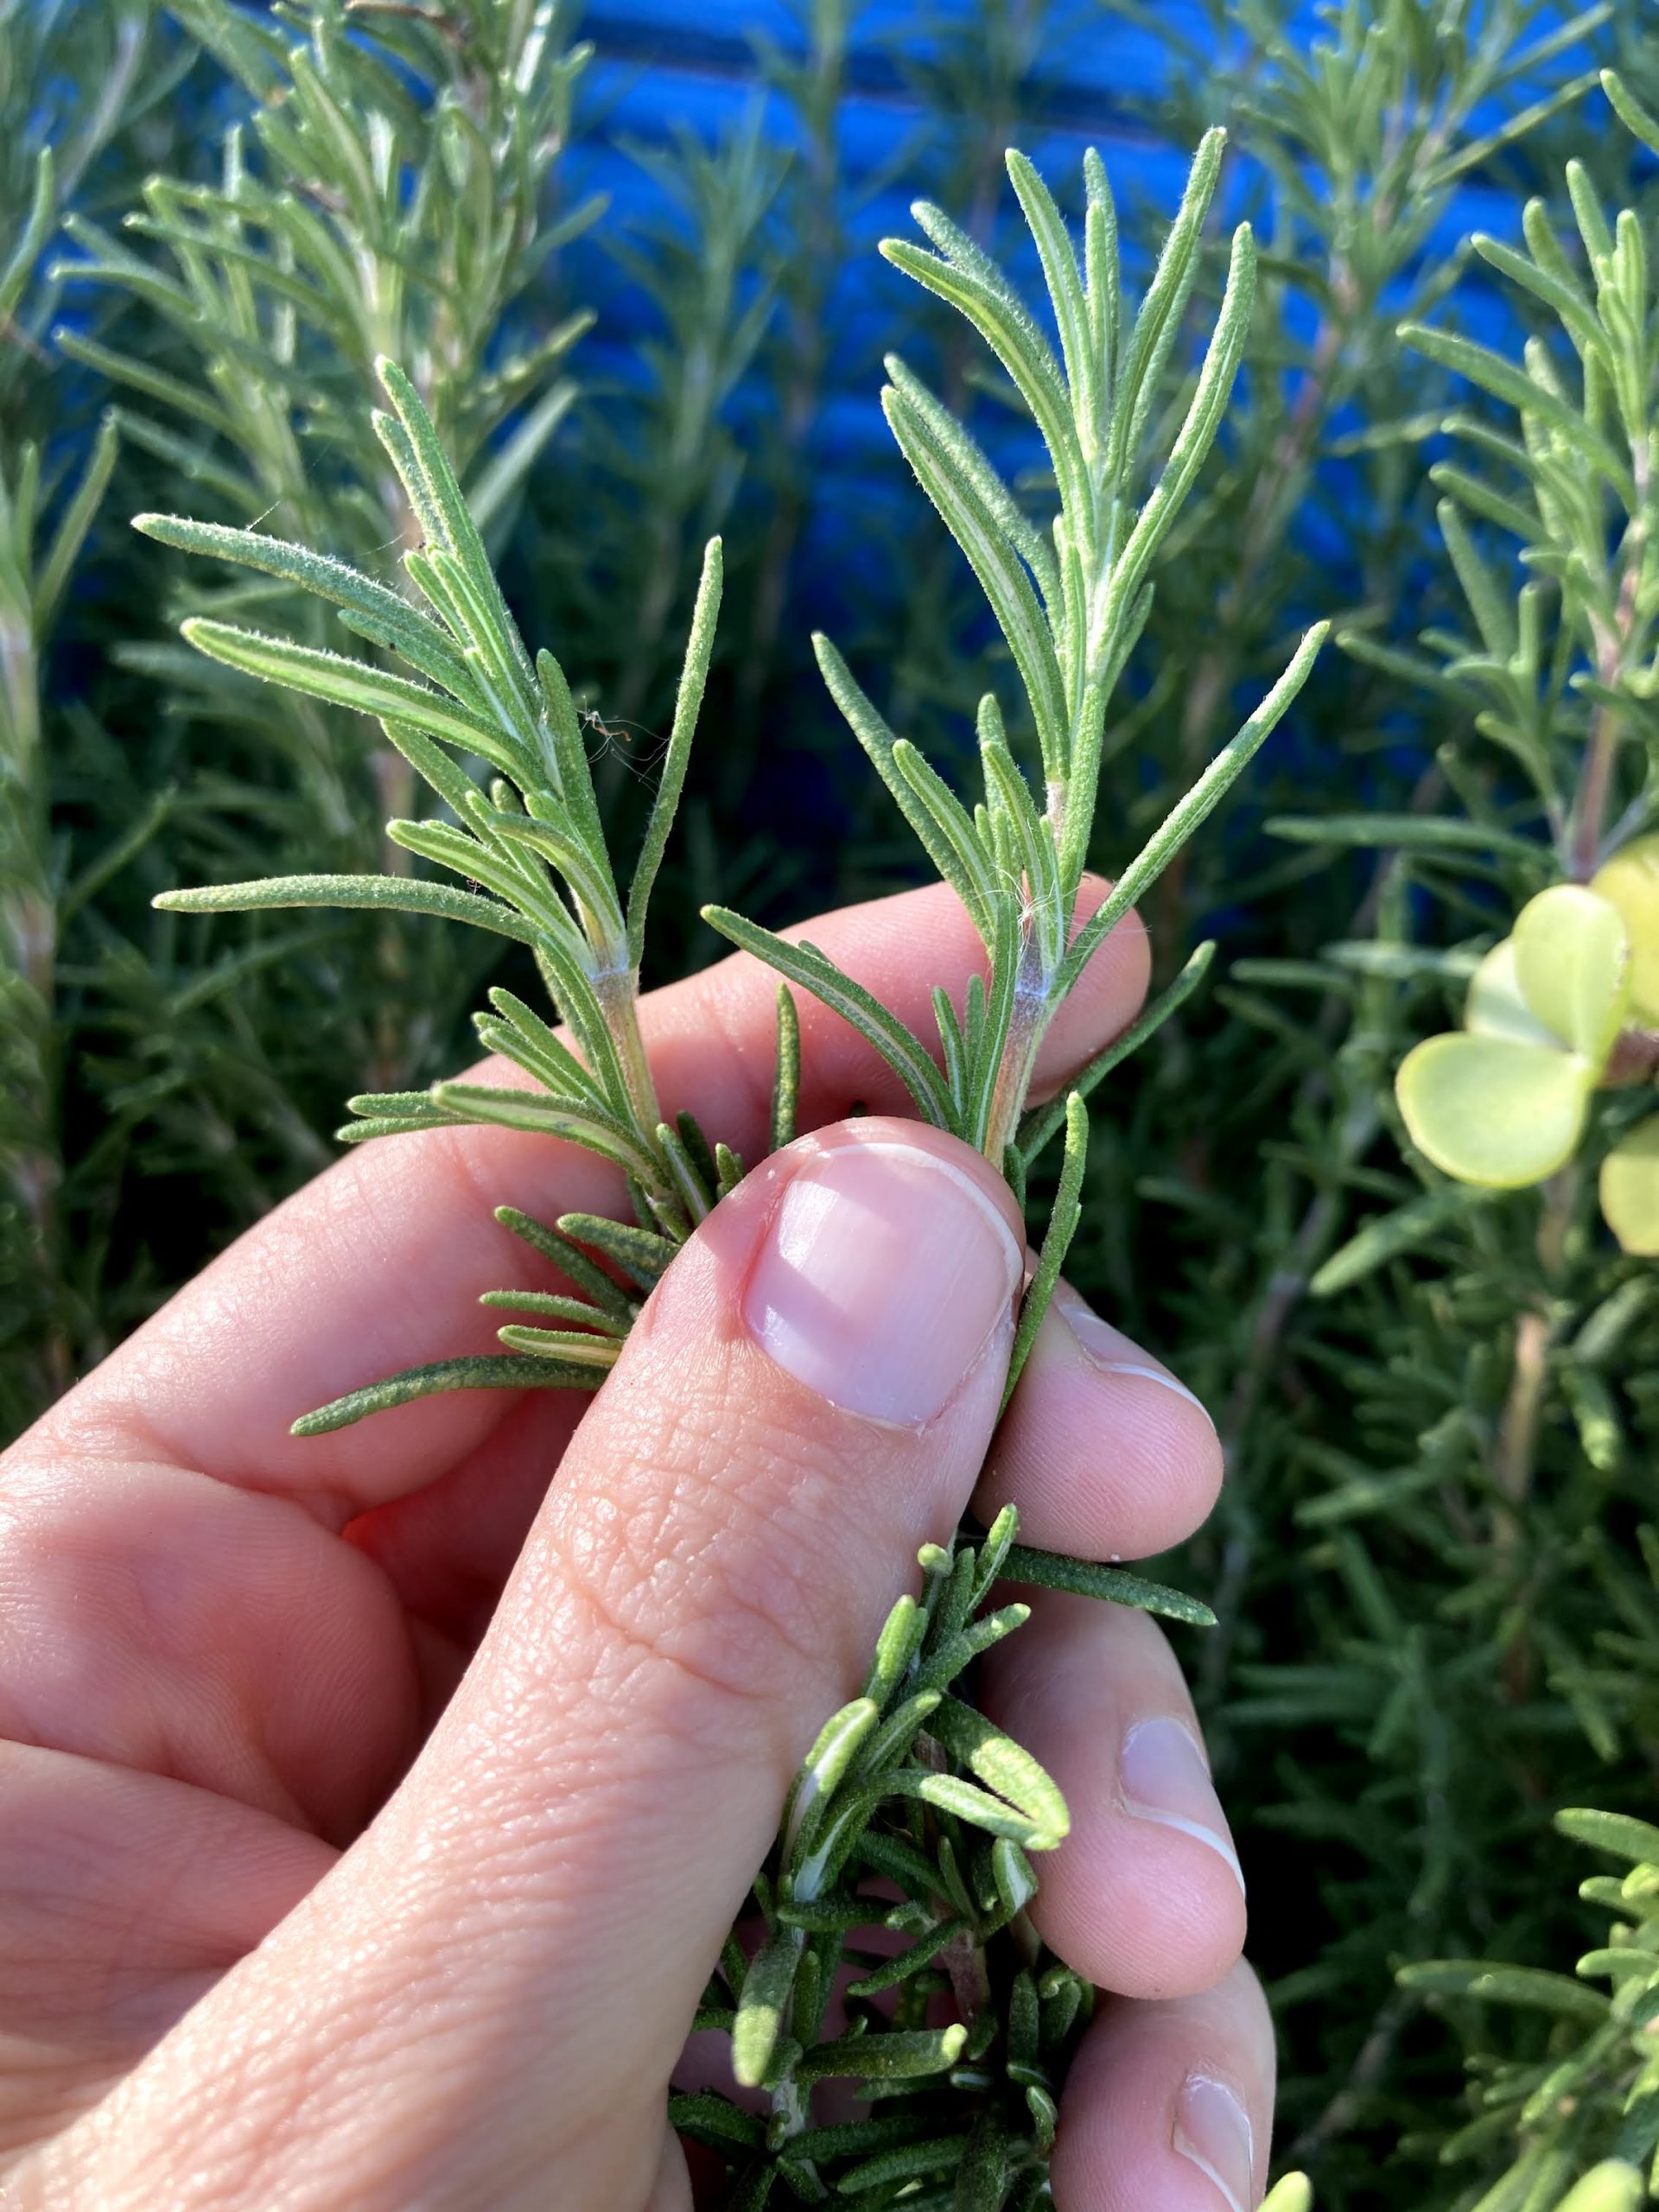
(379, 1265)
(1169, 2106)
(530, 1921)
(1104, 1452)
(1145, 1896)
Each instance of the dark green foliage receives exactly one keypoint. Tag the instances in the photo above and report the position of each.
(1434, 1571)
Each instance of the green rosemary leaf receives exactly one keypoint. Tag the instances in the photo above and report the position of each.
(456, 532)
(946, 1661)
(1159, 320)
(762, 2003)
(688, 704)
(1049, 1571)
(828, 1919)
(570, 1345)
(786, 1076)
(386, 1105)
(898, 1643)
(1015, 1876)
(1043, 908)
(821, 1774)
(954, 1048)
(393, 621)
(1637, 119)
(1192, 443)
(909, 2161)
(398, 893)
(1184, 816)
(948, 841)
(951, 1794)
(707, 2118)
(572, 1118)
(729, 1170)
(37, 228)
(695, 1195)
(1024, 2017)
(1529, 1988)
(969, 281)
(569, 1257)
(536, 1046)
(1045, 2117)
(1057, 1240)
(973, 526)
(1616, 1832)
(955, 1600)
(557, 1307)
(854, 2139)
(589, 877)
(352, 684)
(804, 964)
(992, 1550)
(968, 462)
(968, 867)
(636, 1253)
(575, 778)
(1004, 1766)
(904, 1964)
(696, 1147)
(1386, 1237)
(475, 862)
(487, 1372)
(754, 2189)
(900, 2054)
(1426, 833)
(1064, 282)
(79, 511)
(1562, 295)
(1103, 283)
(893, 1740)
(1523, 391)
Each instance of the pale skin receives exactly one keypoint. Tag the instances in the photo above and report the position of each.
(373, 1806)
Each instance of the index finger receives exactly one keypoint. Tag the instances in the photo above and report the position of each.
(379, 1264)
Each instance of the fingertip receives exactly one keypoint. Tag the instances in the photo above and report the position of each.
(1145, 1896)
(1170, 2105)
(1104, 1452)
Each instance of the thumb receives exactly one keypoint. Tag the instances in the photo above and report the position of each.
(494, 1983)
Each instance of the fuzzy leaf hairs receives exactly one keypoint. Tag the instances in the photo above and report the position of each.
(909, 1786)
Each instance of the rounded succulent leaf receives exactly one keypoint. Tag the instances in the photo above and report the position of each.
(1630, 1189)
(1572, 962)
(1491, 1111)
(1495, 1006)
(1630, 881)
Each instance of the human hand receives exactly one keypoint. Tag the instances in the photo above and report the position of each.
(373, 1813)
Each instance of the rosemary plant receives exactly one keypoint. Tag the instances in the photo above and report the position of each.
(908, 1782)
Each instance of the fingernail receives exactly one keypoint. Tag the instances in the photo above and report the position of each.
(884, 1275)
(1114, 1353)
(1162, 1777)
(1213, 2129)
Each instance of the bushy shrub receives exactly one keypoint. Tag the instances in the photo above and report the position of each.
(1434, 1568)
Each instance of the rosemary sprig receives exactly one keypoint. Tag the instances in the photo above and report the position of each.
(908, 1785)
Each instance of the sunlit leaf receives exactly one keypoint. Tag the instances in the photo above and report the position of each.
(1630, 1189)
(1495, 1006)
(1630, 881)
(1571, 959)
(1490, 1111)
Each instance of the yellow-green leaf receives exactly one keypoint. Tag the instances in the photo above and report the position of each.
(1493, 1112)
(1572, 960)
(1630, 1189)
(1630, 881)
(1495, 1006)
